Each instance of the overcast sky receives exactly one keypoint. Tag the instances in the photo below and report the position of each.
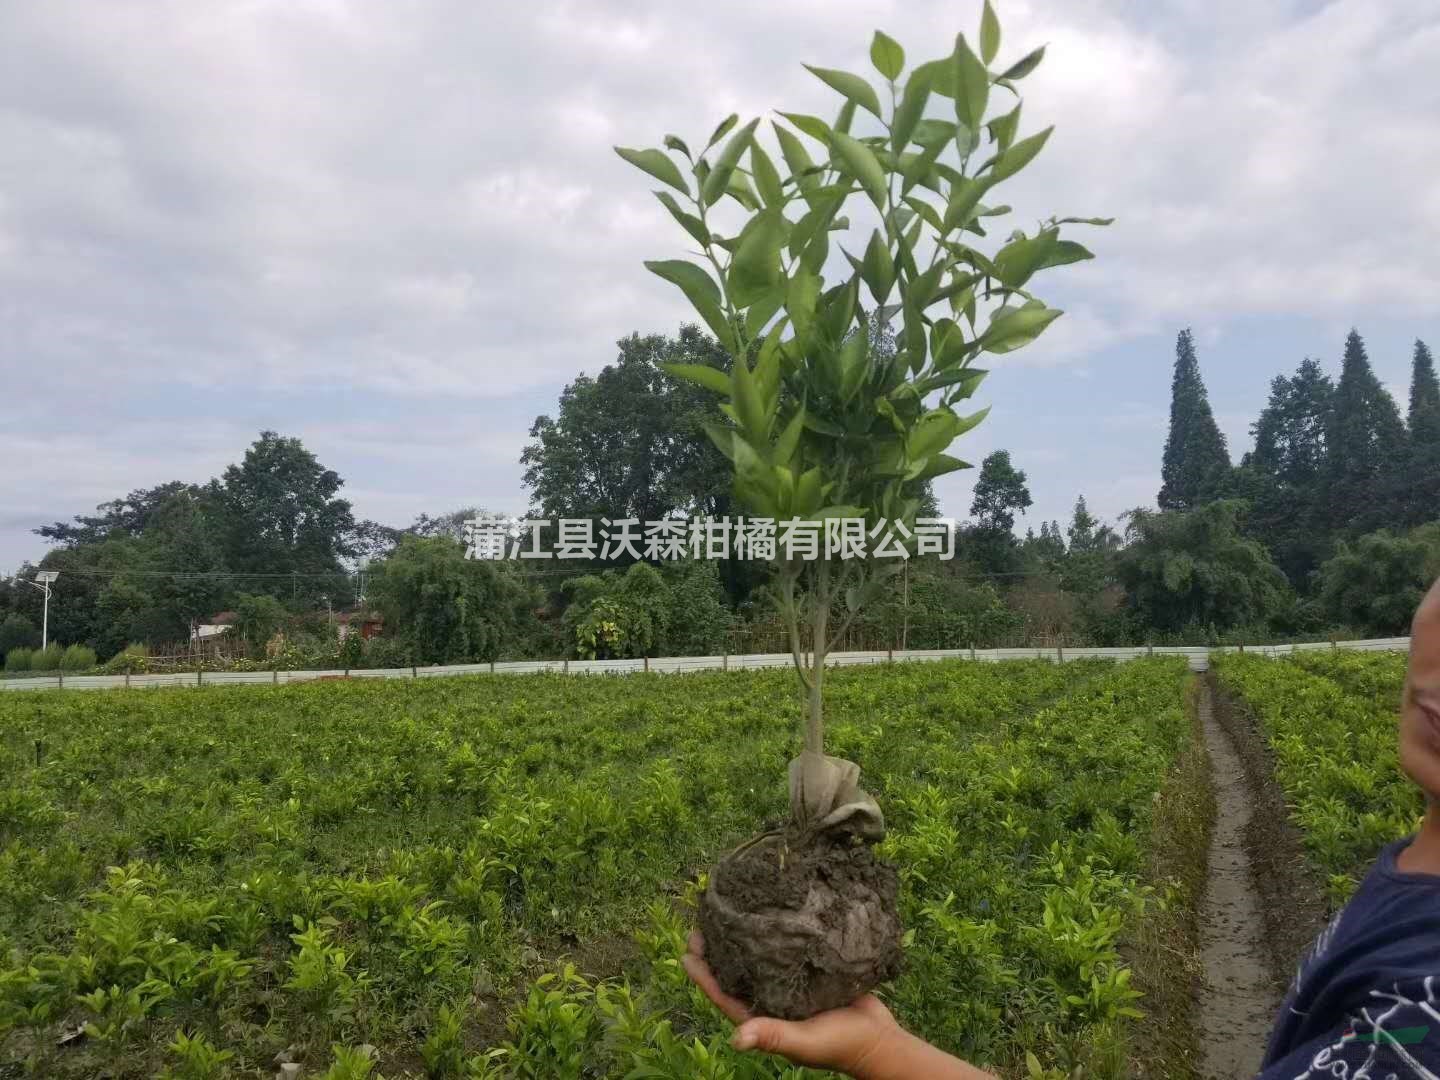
(396, 229)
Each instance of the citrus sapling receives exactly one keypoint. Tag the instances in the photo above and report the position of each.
(822, 424)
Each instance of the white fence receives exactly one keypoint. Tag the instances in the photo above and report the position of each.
(1198, 656)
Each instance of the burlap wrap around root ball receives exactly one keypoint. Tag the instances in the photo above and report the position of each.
(797, 924)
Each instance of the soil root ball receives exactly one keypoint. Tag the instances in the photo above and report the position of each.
(796, 925)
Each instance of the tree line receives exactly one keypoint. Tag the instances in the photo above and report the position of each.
(1328, 525)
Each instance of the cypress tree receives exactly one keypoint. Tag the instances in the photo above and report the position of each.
(1282, 476)
(1422, 485)
(1196, 466)
(1365, 450)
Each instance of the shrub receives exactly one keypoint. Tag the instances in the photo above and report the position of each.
(1376, 581)
(131, 660)
(386, 652)
(78, 658)
(18, 660)
(16, 631)
(48, 658)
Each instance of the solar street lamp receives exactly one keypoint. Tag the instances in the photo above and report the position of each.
(42, 581)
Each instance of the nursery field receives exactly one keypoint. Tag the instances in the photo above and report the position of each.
(494, 876)
(1330, 719)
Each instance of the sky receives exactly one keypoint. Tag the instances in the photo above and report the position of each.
(397, 230)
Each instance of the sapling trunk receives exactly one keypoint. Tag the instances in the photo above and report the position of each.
(815, 713)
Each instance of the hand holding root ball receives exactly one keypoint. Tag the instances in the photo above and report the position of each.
(838, 1039)
(861, 1039)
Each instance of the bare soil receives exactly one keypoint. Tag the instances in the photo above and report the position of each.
(1238, 1004)
(1293, 909)
(799, 924)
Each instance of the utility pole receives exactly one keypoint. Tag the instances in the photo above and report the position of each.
(42, 581)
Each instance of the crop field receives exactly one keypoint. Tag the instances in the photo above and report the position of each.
(1330, 719)
(494, 876)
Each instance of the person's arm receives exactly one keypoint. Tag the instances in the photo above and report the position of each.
(862, 1040)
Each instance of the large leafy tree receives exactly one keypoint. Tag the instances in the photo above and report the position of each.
(282, 516)
(1365, 449)
(1196, 464)
(1000, 493)
(1192, 571)
(1422, 481)
(628, 442)
(131, 515)
(1283, 476)
(448, 609)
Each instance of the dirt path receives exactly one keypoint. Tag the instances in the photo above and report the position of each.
(1237, 1006)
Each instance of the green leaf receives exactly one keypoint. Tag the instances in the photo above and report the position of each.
(739, 189)
(807, 492)
(989, 34)
(932, 433)
(1066, 252)
(878, 268)
(887, 55)
(910, 109)
(926, 211)
(972, 85)
(800, 299)
(823, 427)
(854, 364)
(762, 309)
(1003, 128)
(1025, 65)
(718, 180)
(674, 142)
(1086, 221)
(964, 198)
(789, 439)
(767, 179)
(971, 421)
(703, 293)
(1019, 259)
(797, 159)
(1011, 161)
(862, 164)
(702, 374)
(755, 269)
(838, 512)
(845, 117)
(940, 74)
(941, 379)
(810, 125)
(723, 437)
(1012, 328)
(692, 224)
(658, 164)
(693, 280)
(931, 132)
(722, 129)
(852, 87)
(745, 395)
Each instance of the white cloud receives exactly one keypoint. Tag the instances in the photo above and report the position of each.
(279, 199)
